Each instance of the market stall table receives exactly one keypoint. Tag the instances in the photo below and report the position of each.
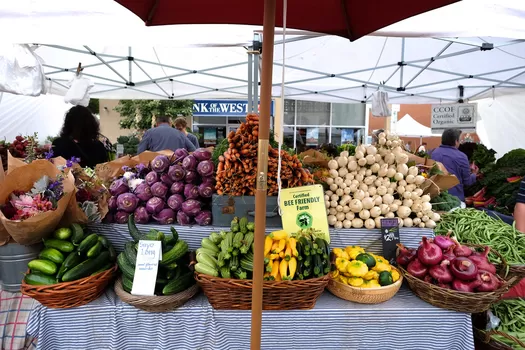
(404, 322)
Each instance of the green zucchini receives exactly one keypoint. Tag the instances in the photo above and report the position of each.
(215, 238)
(112, 253)
(318, 265)
(39, 279)
(299, 248)
(62, 233)
(240, 274)
(247, 263)
(86, 268)
(237, 240)
(77, 234)
(59, 244)
(234, 263)
(207, 251)
(178, 285)
(225, 272)
(234, 225)
(132, 228)
(243, 222)
(87, 243)
(104, 241)
(177, 252)
(207, 260)
(131, 253)
(44, 266)
(323, 246)
(247, 242)
(127, 269)
(127, 284)
(220, 259)
(95, 250)
(153, 235)
(208, 244)
(206, 270)
(52, 254)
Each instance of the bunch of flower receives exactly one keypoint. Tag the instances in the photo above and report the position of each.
(43, 197)
(91, 192)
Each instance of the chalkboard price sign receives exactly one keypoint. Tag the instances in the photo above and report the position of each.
(390, 238)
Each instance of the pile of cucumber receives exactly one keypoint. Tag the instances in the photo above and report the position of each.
(175, 273)
(70, 254)
(228, 254)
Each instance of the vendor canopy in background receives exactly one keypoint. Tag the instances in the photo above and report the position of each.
(409, 127)
(319, 68)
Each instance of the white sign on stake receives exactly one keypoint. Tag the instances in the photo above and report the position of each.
(149, 254)
(454, 116)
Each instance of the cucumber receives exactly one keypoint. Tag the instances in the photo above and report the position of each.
(171, 267)
(208, 244)
(207, 260)
(178, 285)
(153, 235)
(132, 228)
(124, 266)
(52, 254)
(95, 250)
(175, 273)
(177, 252)
(61, 271)
(39, 279)
(86, 268)
(112, 254)
(206, 270)
(130, 253)
(72, 260)
(87, 243)
(77, 234)
(63, 233)
(44, 266)
(104, 268)
(104, 241)
(127, 284)
(59, 244)
(175, 235)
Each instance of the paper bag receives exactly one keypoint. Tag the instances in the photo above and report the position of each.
(34, 229)
(147, 156)
(13, 163)
(106, 172)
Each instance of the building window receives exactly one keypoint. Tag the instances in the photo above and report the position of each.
(313, 113)
(344, 114)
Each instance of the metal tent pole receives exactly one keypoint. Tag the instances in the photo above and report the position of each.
(262, 171)
(250, 82)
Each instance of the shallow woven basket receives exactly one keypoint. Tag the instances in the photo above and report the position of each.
(517, 271)
(364, 295)
(156, 303)
(232, 294)
(485, 341)
(70, 294)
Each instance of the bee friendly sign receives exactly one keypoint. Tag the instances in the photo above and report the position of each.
(303, 208)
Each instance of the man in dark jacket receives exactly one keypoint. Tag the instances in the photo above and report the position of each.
(455, 161)
(164, 137)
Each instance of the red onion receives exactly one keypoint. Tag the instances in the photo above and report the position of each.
(462, 286)
(428, 279)
(444, 242)
(464, 269)
(449, 254)
(461, 250)
(429, 253)
(482, 262)
(489, 282)
(441, 272)
(406, 255)
(417, 269)
(444, 285)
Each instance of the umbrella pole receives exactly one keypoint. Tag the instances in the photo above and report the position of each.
(262, 169)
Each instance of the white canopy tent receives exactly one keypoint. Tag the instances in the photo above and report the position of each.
(409, 127)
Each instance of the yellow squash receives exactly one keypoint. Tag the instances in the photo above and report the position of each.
(267, 245)
(355, 281)
(371, 275)
(292, 266)
(357, 268)
(353, 251)
(278, 235)
(283, 269)
(341, 264)
(395, 275)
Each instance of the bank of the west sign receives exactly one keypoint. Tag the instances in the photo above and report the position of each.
(209, 108)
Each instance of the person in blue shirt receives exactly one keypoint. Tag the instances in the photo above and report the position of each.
(181, 124)
(455, 161)
(164, 137)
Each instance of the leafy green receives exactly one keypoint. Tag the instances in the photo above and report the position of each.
(445, 202)
(483, 156)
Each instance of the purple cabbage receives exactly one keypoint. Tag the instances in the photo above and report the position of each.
(191, 177)
(143, 192)
(191, 207)
(203, 218)
(178, 160)
(202, 154)
(175, 201)
(121, 217)
(206, 168)
(189, 163)
(118, 186)
(181, 152)
(208, 180)
(151, 178)
(127, 202)
(141, 215)
(177, 187)
(159, 189)
(191, 191)
(160, 163)
(205, 190)
(154, 205)
(165, 216)
(165, 179)
(112, 203)
(176, 172)
(183, 218)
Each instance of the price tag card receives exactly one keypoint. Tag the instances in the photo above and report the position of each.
(148, 256)
(390, 238)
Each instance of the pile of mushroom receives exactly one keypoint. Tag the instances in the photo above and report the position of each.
(376, 183)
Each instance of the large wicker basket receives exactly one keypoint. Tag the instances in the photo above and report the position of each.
(517, 271)
(70, 294)
(485, 341)
(156, 303)
(232, 294)
(364, 295)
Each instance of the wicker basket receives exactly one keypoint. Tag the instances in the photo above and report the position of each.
(364, 295)
(484, 340)
(156, 303)
(70, 294)
(454, 300)
(232, 294)
(517, 271)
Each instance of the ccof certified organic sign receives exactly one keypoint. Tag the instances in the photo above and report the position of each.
(461, 116)
(304, 208)
(149, 253)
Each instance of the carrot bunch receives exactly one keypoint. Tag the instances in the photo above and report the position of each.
(237, 168)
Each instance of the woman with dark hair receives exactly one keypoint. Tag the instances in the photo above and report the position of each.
(79, 138)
